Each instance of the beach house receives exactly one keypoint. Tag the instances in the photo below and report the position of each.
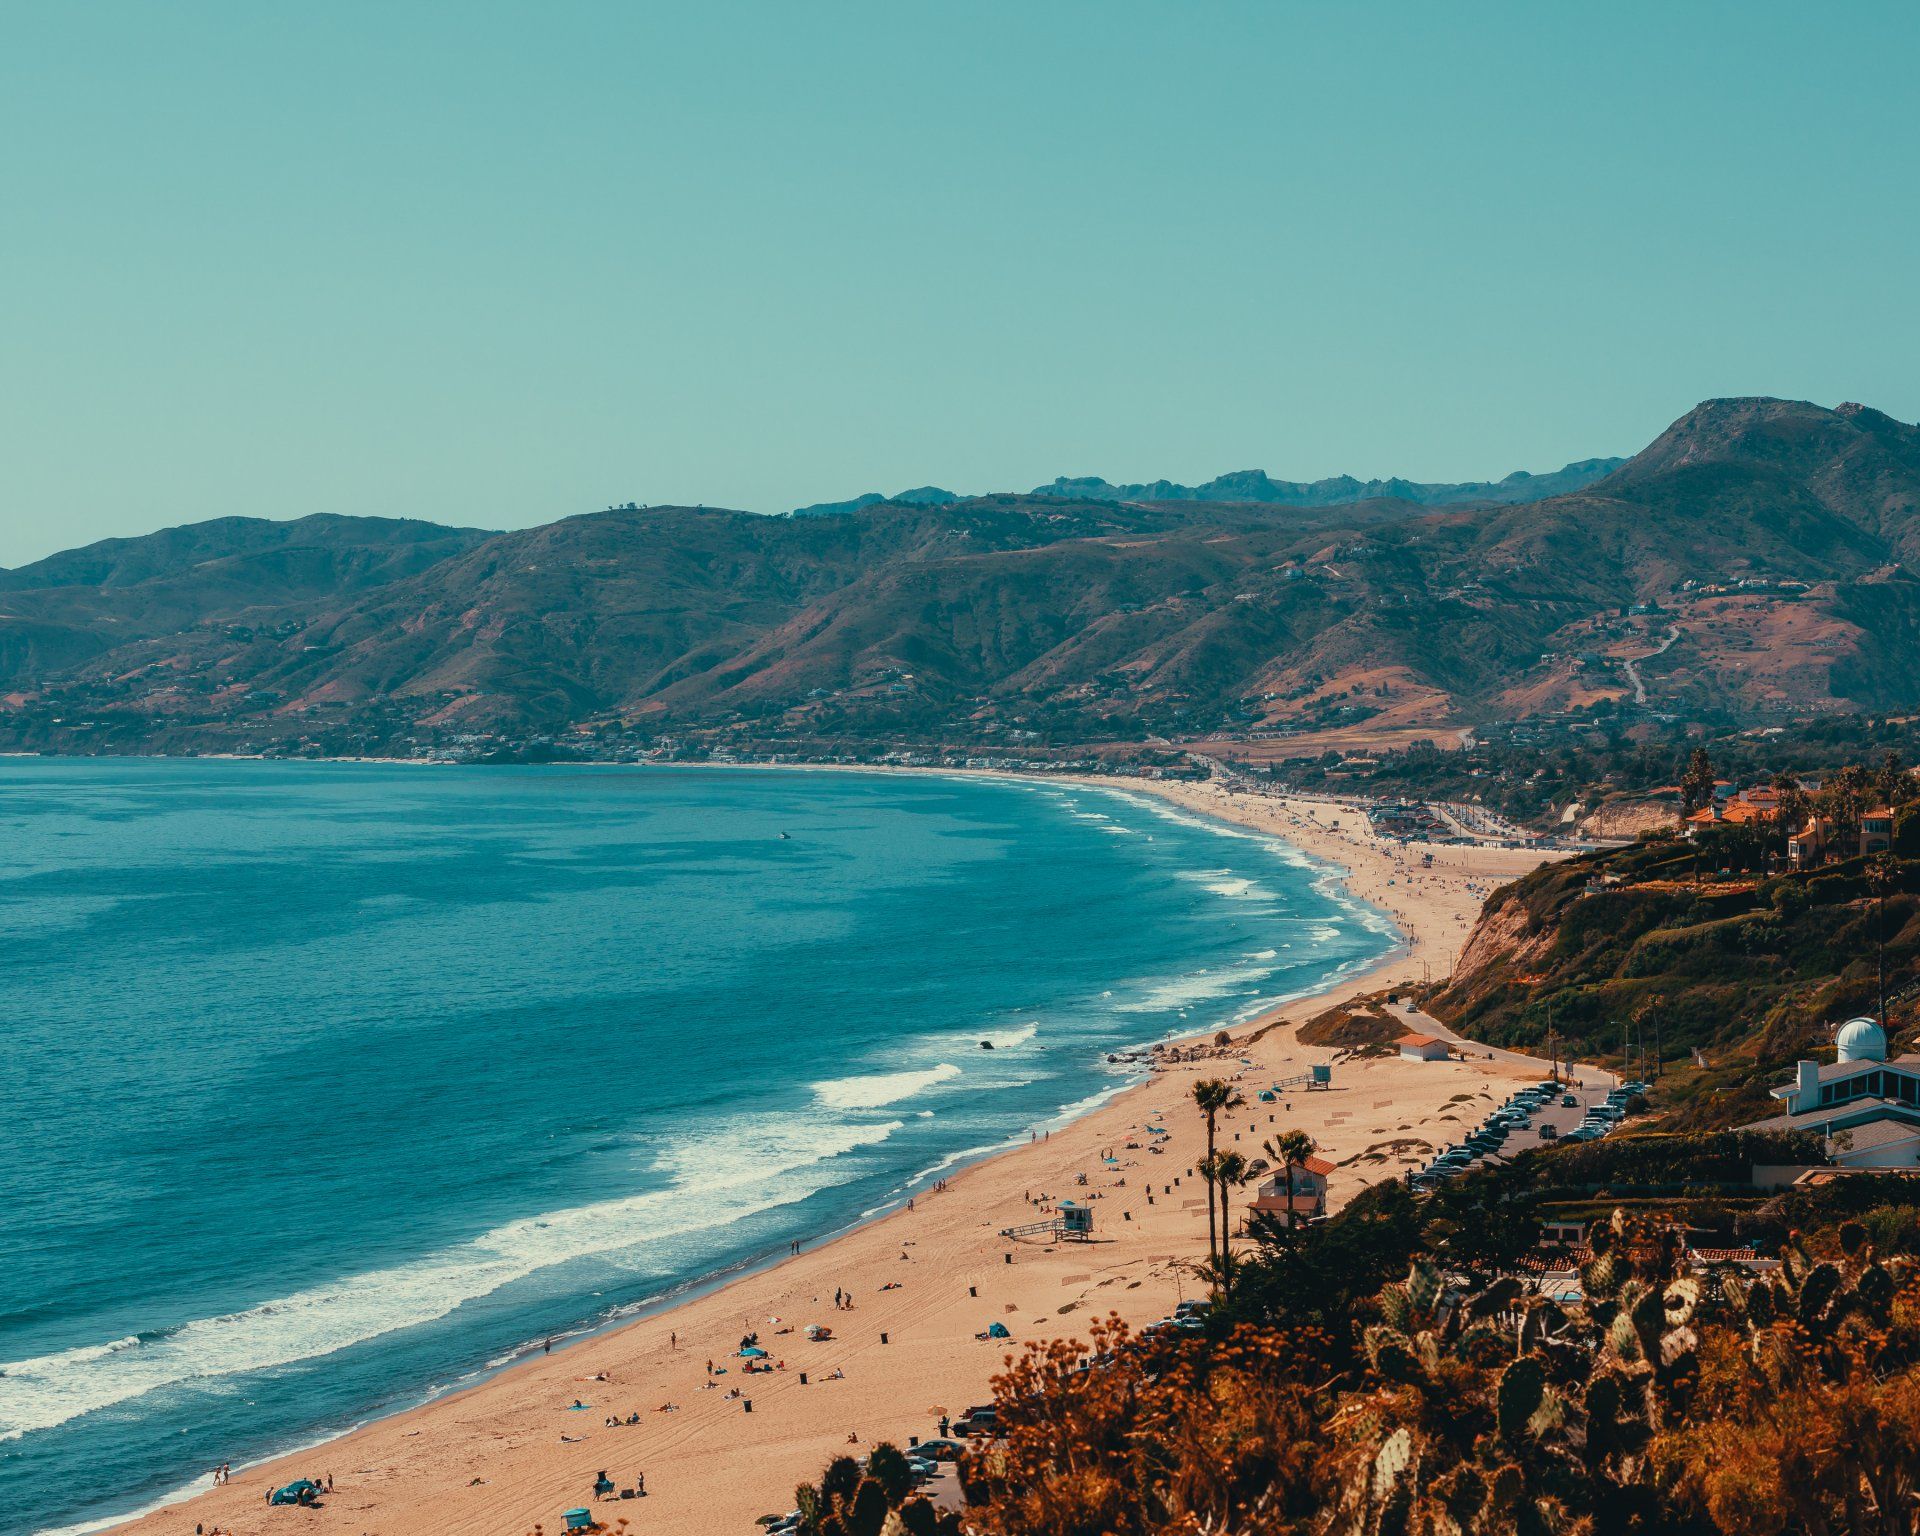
(1297, 1194)
(1865, 1105)
(1422, 1048)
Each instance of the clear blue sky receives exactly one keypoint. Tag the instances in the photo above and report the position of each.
(495, 264)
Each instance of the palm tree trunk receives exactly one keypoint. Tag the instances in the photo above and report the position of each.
(1226, 1241)
(1213, 1241)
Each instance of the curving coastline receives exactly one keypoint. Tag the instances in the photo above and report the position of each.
(491, 1457)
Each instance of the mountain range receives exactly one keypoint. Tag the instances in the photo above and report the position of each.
(1750, 563)
(1253, 485)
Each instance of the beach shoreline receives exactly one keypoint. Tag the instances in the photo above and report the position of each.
(496, 1454)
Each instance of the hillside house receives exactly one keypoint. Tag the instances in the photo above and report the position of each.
(1866, 1106)
(1750, 807)
(1422, 1048)
(1820, 841)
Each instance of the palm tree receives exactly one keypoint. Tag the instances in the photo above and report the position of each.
(1892, 783)
(1229, 1172)
(1846, 797)
(1794, 805)
(1696, 784)
(1290, 1149)
(1213, 1096)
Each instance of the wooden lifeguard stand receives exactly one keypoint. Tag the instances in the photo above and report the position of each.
(1071, 1221)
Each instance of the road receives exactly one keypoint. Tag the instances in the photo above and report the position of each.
(1632, 665)
(1589, 1084)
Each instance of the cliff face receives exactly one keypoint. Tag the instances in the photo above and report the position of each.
(1510, 943)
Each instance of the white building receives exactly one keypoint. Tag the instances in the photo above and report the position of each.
(1867, 1107)
(1422, 1048)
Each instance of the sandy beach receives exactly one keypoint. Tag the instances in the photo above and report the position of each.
(513, 1451)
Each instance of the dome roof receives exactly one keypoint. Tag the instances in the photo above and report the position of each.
(1862, 1040)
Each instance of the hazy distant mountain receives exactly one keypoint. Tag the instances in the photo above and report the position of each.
(1253, 485)
(1761, 545)
(923, 496)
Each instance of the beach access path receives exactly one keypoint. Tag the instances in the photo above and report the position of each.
(511, 1452)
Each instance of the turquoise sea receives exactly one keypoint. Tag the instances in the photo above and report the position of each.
(324, 1087)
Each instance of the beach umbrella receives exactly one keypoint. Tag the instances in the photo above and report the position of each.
(753, 1352)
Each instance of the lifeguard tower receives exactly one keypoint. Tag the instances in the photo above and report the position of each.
(1072, 1221)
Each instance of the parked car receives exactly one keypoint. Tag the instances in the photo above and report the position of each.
(1568, 1101)
(938, 1450)
(1548, 1133)
(984, 1418)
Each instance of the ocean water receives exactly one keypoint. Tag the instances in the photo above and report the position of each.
(324, 1087)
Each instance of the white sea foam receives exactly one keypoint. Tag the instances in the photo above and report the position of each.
(1199, 987)
(875, 1089)
(759, 1164)
(1224, 882)
(1007, 1039)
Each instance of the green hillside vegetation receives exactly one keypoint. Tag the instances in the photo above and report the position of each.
(1639, 957)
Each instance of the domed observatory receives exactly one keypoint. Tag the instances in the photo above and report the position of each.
(1866, 1106)
(1861, 1040)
